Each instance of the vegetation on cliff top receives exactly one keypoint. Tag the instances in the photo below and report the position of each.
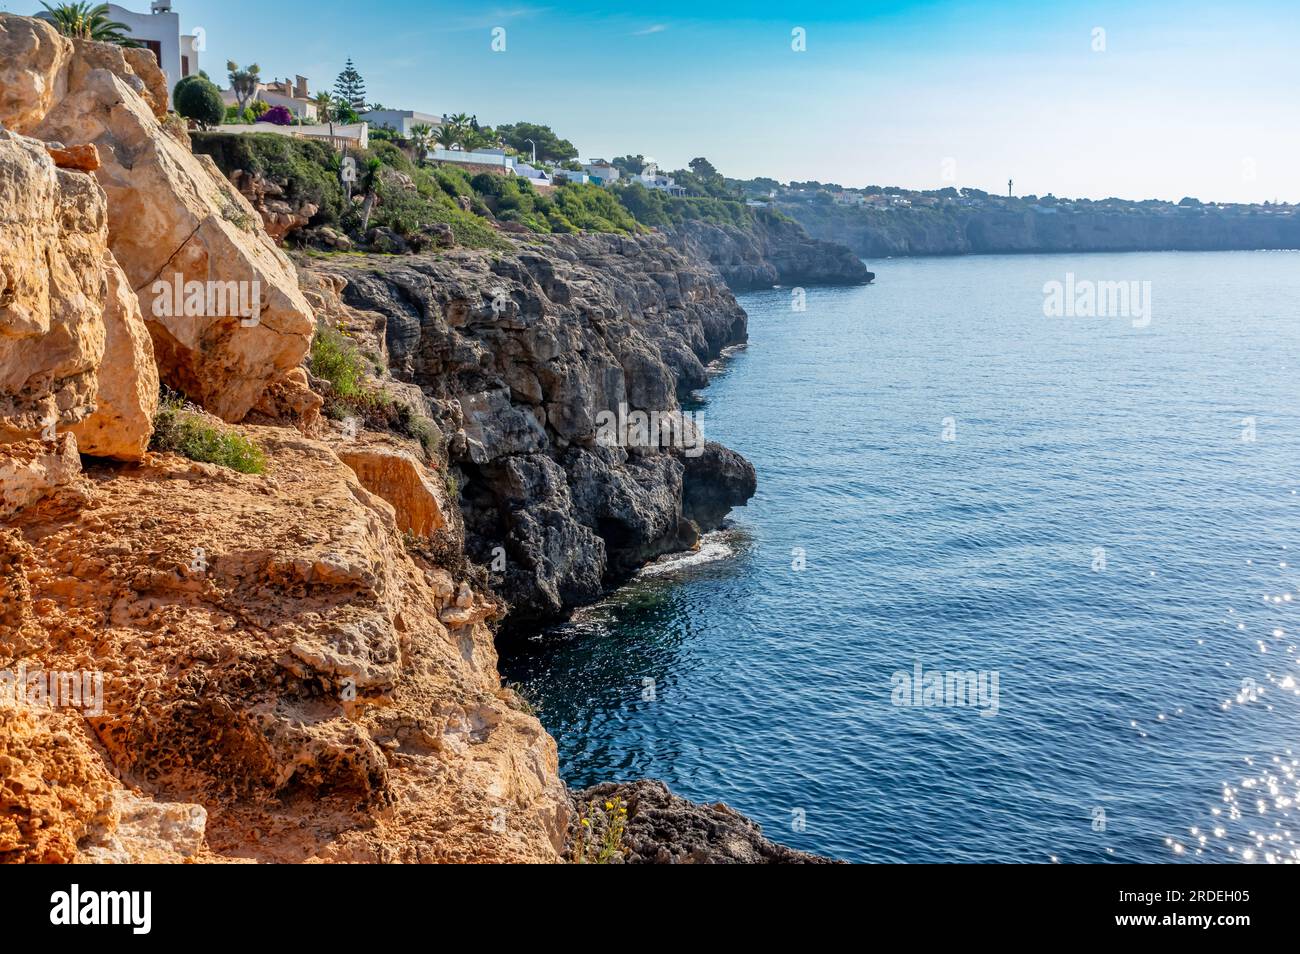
(411, 199)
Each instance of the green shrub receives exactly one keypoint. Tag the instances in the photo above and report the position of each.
(336, 360)
(182, 83)
(658, 209)
(200, 100)
(184, 429)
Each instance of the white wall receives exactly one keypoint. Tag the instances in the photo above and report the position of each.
(163, 28)
(400, 119)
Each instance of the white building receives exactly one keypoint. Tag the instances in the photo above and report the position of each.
(493, 158)
(652, 178)
(601, 172)
(528, 171)
(568, 175)
(401, 121)
(160, 31)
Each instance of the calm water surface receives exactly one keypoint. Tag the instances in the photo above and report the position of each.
(1098, 534)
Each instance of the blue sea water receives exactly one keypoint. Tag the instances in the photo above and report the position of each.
(1102, 533)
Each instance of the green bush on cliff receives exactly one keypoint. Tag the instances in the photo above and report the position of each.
(185, 429)
(409, 208)
(337, 361)
(593, 209)
(307, 170)
(349, 392)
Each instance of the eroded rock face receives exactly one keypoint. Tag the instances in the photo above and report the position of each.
(33, 65)
(53, 786)
(74, 351)
(127, 396)
(271, 653)
(171, 216)
(280, 217)
(520, 357)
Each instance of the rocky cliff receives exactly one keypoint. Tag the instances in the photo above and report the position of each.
(520, 357)
(775, 251)
(297, 663)
(873, 233)
(195, 663)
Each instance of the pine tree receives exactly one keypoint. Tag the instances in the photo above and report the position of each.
(351, 88)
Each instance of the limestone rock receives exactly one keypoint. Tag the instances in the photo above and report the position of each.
(280, 217)
(53, 785)
(396, 476)
(74, 352)
(33, 63)
(171, 215)
(81, 158)
(29, 470)
(272, 654)
(127, 397)
(51, 291)
(519, 356)
(138, 830)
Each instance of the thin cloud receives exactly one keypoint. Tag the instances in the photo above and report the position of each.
(493, 18)
(657, 28)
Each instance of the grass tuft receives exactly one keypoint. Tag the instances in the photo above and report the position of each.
(184, 429)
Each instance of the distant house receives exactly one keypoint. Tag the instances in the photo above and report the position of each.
(652, 178)
(401, 121)
(160, 32)
(569, 175)
(293, 95)
(601, 172)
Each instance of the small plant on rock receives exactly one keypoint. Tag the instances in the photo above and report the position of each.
(185, 429)
(600, 833)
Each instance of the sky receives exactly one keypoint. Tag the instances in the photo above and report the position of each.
(1169, 99)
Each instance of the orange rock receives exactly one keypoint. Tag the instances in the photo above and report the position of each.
(84, 158)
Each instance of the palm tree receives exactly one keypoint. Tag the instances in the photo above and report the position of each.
(244, 82)
(83, 21)
(324, 107)
(421, 137)
(370, 185)
(448, 136)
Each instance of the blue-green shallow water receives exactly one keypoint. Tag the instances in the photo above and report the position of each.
(1120, 691)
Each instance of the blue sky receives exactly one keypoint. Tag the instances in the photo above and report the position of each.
(1187, 98)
